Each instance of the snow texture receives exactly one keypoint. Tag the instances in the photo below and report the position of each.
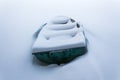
(19, 20)
(64, 35)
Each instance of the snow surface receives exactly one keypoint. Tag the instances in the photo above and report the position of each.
(60, 20)
(19, 19)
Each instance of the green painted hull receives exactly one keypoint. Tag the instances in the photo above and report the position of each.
(60, 56)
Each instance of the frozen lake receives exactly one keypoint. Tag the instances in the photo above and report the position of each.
(20, 19)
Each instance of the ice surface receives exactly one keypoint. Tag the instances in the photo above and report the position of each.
(19, 19)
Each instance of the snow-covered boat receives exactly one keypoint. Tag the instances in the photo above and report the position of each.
(59, 41)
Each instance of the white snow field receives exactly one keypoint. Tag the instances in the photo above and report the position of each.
(19, 19)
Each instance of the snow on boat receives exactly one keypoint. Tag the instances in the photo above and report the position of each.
(59, 41)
